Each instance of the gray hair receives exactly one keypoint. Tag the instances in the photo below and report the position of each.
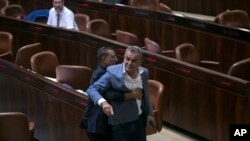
(135, 49)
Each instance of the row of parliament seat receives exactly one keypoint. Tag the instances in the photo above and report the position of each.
(185, 52)
(47, 64)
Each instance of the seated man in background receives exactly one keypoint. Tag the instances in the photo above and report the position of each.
(96, 122)
(61, 16)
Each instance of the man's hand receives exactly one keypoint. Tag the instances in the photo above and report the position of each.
(107, 108)
(151, 121)
(136, 93)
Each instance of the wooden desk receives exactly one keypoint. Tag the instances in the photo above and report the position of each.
(56, 111)
(198, 100)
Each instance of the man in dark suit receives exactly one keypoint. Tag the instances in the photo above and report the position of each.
(128, 118)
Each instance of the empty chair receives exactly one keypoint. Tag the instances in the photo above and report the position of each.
(145, 4)
(99, 27)
(151, 46)
(235, 18)
(15, 126)
(81, 21)
(241, 69)
(15, 11)
(126, 37)
(188, 53)
(78, 77)
(45, 63)
(40, 16)
(154, 47)
(6, 39)
(156, 91)
(24, 54)
(3, 3)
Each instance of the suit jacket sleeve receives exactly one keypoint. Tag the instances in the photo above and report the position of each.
(95, 90)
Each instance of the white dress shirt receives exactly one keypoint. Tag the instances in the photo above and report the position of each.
(66, 20)
(133, 84)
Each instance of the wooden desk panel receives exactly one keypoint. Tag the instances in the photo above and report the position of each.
(55, 110)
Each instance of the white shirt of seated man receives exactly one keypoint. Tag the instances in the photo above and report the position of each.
(65, 15)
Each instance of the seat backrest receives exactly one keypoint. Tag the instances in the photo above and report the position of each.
(40, 16)
(145, 4)
(151, 46)
(156, 91)
(3, 3)
(24, 54)
(45, 63)
(6, 39)
(99, 27)
(78, 77)
(15, 11)
(188, 53)
(236, 18)
(14, 126)
(241, 69)
(163, 7)
(126, 37)
(81, 21)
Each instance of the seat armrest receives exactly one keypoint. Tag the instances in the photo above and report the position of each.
(169, 53)
(31, 129)
(213, 65)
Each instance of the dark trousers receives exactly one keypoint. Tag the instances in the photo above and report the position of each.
(132, 131)
(99, 137)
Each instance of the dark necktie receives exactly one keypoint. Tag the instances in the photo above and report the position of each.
(58, 19)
